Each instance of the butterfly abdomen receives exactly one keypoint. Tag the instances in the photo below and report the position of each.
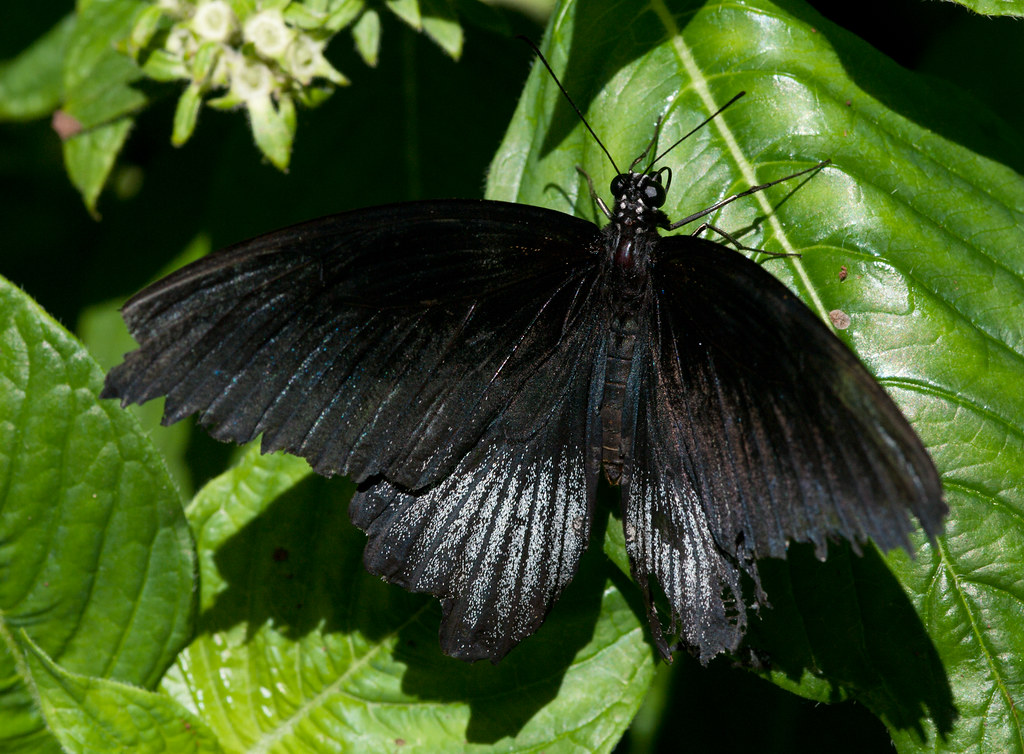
(615, 448)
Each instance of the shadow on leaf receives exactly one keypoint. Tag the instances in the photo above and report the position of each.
(297, 568)
(848, 622)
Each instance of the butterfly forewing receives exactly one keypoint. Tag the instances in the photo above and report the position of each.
(756, 427)
(377, 342)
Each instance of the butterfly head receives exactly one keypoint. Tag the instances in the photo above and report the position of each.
(639, 197)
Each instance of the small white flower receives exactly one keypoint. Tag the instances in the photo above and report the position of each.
(268, 33)
(251, 80)
(305, 61)
(180, 41)
(214, 20)
(304, 56)
(226, 63)
(173, 8)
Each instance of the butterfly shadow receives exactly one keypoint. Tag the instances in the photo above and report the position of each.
(297, 568)
(848, 622)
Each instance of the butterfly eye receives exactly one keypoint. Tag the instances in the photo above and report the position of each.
(618, 185)
(654, 193)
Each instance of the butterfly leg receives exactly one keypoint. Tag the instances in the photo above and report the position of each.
(735, 242)
(593, 194)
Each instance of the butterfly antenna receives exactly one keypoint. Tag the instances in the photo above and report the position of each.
(701, 125)
(740, 195)
(573, 104)
(650, 146)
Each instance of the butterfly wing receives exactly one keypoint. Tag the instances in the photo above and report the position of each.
(376, 342)
(499, 538)
(755, 426)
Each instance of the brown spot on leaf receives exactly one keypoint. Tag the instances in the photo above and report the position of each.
(840, 319)
(65, 125)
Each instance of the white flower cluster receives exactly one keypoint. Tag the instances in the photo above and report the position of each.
(264, 61)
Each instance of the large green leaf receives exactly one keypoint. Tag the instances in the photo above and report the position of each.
(299, 649)
(928, 224)
(96, 561)
(89, 714)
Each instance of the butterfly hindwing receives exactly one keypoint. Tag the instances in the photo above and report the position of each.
(377, 342)
(755, 427)
(499, 538)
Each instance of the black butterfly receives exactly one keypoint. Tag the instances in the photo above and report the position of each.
(472, 365)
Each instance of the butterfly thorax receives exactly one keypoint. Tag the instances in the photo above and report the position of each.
(635, 218)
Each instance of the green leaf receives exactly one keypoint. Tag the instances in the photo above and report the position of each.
(442, 25)
(303, 16)
(186, 114)
(408, 11)
(343, 14)
(100, 92)
(89, 157)
(366, 33)
(299, 648)
(273, 128)
(94, 714)
(95, 555)
(164, 67)
(930, 227)
(31, 84)
(145, 26)
(993, 7)
(97, 77)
